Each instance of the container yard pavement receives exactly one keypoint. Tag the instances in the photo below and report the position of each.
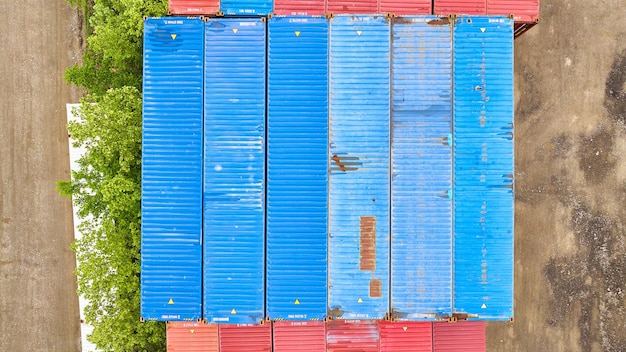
(570, 182)
(38, 301)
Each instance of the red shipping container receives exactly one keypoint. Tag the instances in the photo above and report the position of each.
(193, 7)
(352, 335)
(352, 6)
(409, 336)
(299, 7)
(460, 7)
(467, 336)
(522, 10)
(192, 337)
(245, 338)
(405, 7)
(297, 336)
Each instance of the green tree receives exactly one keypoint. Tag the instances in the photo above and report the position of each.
(113, 57)
(107, 190)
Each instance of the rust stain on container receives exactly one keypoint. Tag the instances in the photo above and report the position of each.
(443, 21)
(368, 243)
(376, 288)
(346, 163)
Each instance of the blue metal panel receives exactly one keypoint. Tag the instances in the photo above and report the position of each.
(359, 170)
(171, 205)
(234, 171)
(246, 7)
(421, 212)
(297, 175)
(483, 167)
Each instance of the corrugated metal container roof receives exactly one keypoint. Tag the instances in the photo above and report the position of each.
(460, 7)
(193, 7)
(483, 167)
(246, 7)
(297, 168)
(245, 338)
(352, 335)
(522, 10)
(406, 336)
(234, 171)
(359, 167)
(192, 337)
(421, 223)
(171, 205)
(352, 6)
(466, 336)
(297, 336)
(405, 7)
(299, 7)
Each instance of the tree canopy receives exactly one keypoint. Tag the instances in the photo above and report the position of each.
(107, 186)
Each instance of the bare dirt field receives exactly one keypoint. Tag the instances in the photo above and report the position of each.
(570, 240)
(38, 301)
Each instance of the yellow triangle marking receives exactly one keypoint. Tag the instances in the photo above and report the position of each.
(404, 328)
(173, 36)
(171, 301)
(297, 301)
(233, 311)
(192, 331)
(482, 30)
(359, 32)
(360, 300)
(483, 306)
(297, 33)
(235, 30)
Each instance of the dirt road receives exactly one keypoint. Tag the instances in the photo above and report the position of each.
(38, 301)
(570, 225)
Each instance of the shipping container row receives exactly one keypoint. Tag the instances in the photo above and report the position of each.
(332, 336)
(358, 167)
(523, 11)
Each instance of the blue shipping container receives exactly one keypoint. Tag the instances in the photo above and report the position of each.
(246, 7)
(297, 168)
(234, 171)
(483, 167)
(359, 167)
(421, 205)
(171, 204)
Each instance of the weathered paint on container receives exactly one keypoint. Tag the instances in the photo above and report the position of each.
(234, 171)
(352, 6)
(193, 7)
(406, 336)
(297, 336)
(297, 168)
(405, 7)
(246, 7)
(521, 10)
(245, 337)
(171, 204)
(421, 205)
(466, 336)
(192, 337)
(359, 167)
(483, 167)
(459, 7)
(352, 335)
(299, 7)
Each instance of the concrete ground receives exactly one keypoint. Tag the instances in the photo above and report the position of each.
(570, 224)
(38, 301)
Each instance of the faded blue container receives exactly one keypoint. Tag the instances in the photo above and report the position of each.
(297, 168)
(483, 167)
(421, 150)
(171, 205)
(234, 171)
(359, 167)
(246, 7)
